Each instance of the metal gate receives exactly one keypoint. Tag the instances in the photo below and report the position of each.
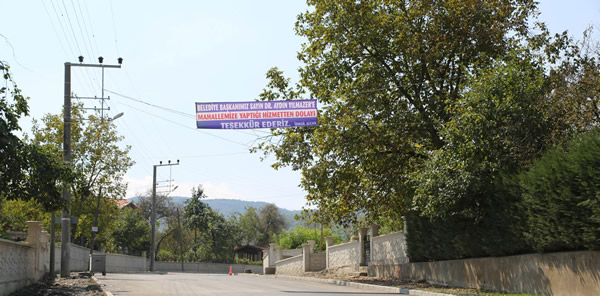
(367, 248)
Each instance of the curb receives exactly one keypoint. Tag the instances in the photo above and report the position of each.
(106, 293)
(362, 286)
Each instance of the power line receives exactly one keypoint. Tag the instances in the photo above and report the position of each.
(112, 13)
(188, 115)
(185, 126)
(54, 28)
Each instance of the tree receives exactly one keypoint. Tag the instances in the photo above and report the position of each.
(249, 226)
(131, 233)
(197, 214)
(387, 74)
(271, 222)
(99, 164)
(165, 213)
(96, 156)
(164, 205)
(27, 171)
(214, 236)
(561, 195)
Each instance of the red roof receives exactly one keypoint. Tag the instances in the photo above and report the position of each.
(121, 203)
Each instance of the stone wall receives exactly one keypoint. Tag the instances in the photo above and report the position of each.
(201, 267)
(317, 261)
(125, 263)
(291, 253)
(565, 273)
(387, 253)
(344, 256)
(80, 258)
(290, 266)
(16, 266)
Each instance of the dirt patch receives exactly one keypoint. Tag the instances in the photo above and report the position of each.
(80, 284)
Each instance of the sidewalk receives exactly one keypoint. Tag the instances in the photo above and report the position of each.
(367, 283)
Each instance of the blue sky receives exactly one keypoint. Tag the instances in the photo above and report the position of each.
(177, 54)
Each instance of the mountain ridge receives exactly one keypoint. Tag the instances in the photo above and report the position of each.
(228, 207)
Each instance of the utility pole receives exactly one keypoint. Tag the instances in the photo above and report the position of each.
(65, 258)
(153, 214)
(180, 239)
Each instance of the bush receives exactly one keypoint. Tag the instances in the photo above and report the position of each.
(496, 231)
(561, 196)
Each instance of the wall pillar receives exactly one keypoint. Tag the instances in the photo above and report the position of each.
(328, 243)
(362, 237)
(306, 250)
(271, 254)
(278, 253)
(374, 232)
(312, 244)
(34, 238)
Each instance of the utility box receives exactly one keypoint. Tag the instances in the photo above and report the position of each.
(98, 263)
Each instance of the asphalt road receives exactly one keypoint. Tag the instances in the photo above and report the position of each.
(218, 284)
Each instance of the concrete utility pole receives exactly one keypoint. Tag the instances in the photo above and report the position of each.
(65, 254)
(153, 214)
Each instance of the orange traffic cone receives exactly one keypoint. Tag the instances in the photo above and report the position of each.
(230, 270)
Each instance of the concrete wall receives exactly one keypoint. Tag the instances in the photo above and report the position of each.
(317, 261)
(202, 267)
(566, 273)
(291, 253)
(125, 263)
(344, 257)
(16, 266)
(387, 253)
(80, 258)
(290, 266)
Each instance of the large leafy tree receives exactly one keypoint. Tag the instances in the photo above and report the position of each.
(214, 236)
(197, 215)
(249, 226)
(131, 232)
(387, 74)
(99, 162)
(271, 223)
(27, 171)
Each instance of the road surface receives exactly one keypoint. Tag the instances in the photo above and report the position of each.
(218, 284)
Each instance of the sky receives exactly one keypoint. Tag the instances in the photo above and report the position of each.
(175, 55)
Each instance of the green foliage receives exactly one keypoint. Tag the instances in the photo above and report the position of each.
(246, 261)
(429, 109)
(561, 196)
(295, 238)
(131, 232)
(98, 163)
(17, 212)
(96, 156)
(386, 74)
(27, 171)
(249, 226)
(214, 237)
(271, 223)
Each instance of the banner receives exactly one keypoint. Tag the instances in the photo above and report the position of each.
(252, 115)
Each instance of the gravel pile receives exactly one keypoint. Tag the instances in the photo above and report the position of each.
(80, 284)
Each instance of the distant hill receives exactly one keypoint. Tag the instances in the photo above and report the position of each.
(229, 206)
